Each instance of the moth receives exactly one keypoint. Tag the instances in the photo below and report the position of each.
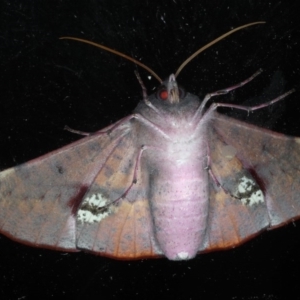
(174, 179)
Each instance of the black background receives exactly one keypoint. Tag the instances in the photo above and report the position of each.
(47, 83)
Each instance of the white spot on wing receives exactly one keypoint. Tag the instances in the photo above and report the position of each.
(248, 192)
(91, 212)
(96, 200)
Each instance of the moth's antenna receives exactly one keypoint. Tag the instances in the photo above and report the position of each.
(212, 43)
(147, 68)
(114, 52)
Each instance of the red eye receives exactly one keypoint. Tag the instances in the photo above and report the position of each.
(163, 94)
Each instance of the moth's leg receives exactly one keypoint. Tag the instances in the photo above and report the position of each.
(119, 123)
(222, 92)
(141, 119)
(134, 178)
(77, 131)
(216, 181)
(135, 173)
(210, 172)
(233, 185)
(145, 95)
(250, 108)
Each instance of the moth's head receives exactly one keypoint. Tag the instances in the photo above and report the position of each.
(169, 91)
(169, 99)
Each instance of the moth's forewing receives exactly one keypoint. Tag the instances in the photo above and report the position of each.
(273, 161)
(114, 217)
(39, 199)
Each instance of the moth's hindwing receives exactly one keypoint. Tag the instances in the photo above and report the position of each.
(248, 161)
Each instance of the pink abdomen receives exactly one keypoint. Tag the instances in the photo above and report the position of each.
(179, 208)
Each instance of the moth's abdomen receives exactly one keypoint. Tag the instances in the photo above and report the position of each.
(179, 208)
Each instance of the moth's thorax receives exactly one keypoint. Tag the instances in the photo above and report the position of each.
(175, 120)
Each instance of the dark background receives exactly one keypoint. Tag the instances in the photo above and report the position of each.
(47, 83)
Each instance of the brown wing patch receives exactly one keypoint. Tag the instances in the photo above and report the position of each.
(118, 172)
(230, 173)
(273, 161)
(114, 218)
(125, 233)
(230, 222)
(38, 198)
(230, 219)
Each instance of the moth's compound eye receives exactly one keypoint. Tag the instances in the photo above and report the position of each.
(162, 94)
